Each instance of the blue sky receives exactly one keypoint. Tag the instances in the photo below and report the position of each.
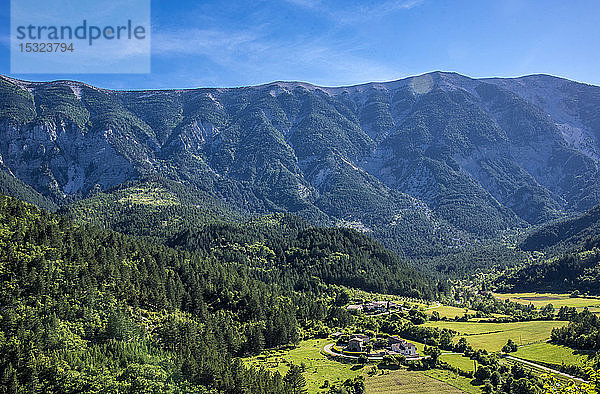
(231, 43)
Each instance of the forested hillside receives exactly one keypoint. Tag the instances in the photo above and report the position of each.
(574, 270)
(564, 233)
(567, 258)
(86, 309)
(284, 249)
(11, 186)
(152, 207)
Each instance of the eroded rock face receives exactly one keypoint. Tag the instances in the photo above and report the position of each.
(435, 153)
(60, 159)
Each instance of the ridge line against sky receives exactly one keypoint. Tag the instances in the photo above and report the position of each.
(343, 43)
(403, 78)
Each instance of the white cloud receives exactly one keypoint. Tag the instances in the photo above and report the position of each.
(202, 42)
(255, 55)
(355, 13)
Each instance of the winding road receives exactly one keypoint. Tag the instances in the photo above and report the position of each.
(554, 371)
(327, 350)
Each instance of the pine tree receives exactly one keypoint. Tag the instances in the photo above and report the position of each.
(296, 380)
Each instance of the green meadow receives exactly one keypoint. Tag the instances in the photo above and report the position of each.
(319, 368)
(493, 336)
(551, 354)
(432, 381)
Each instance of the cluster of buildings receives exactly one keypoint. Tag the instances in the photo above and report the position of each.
(373, 307)
(395, 345)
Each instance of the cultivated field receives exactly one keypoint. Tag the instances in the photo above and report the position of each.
(493, 336)
(454, 380)
(447, 311)
(403, 381)
(459, 361)
(557, 300)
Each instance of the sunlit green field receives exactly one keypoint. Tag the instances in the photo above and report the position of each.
(493, 336)
(148, 196)
(550, 353)
(447, 311)
(318, 367)
(454, 380)
(458, 361)
(557, 300)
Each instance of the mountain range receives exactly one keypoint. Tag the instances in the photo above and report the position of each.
(425, 164)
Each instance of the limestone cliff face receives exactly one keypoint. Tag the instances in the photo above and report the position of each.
(436, 154)
(61, 160)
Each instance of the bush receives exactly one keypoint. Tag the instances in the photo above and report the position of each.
(510, 347)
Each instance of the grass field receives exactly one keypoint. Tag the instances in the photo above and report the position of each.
(454, 380)
(433, 381)
(318, 367)
(493, 336)
(557, 300)
(549, 353)
(447, 311)
(144, 195)
(536, 371)
(458, 361)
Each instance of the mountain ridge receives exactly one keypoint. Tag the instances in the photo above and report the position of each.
(308, 84)
(425, 163)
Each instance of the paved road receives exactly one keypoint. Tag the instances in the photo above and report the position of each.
(544, 368)
(327, 349)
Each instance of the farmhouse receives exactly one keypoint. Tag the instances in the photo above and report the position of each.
(405, 348)
(355, 345)
(372, 307)
(394, 345)
(376, 306)
(354, 308)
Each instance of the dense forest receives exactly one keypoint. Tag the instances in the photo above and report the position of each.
(86, 308)
(564, 233)
(11, 186)
(576, 270)
(153, 207)
(582, 332)
(284, 249)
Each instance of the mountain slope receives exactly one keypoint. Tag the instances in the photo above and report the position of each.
(571, 258)
(564, 232)
(425, 164)
(575, 269)
(13, 187)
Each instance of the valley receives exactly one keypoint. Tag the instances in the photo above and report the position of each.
(535, 353)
